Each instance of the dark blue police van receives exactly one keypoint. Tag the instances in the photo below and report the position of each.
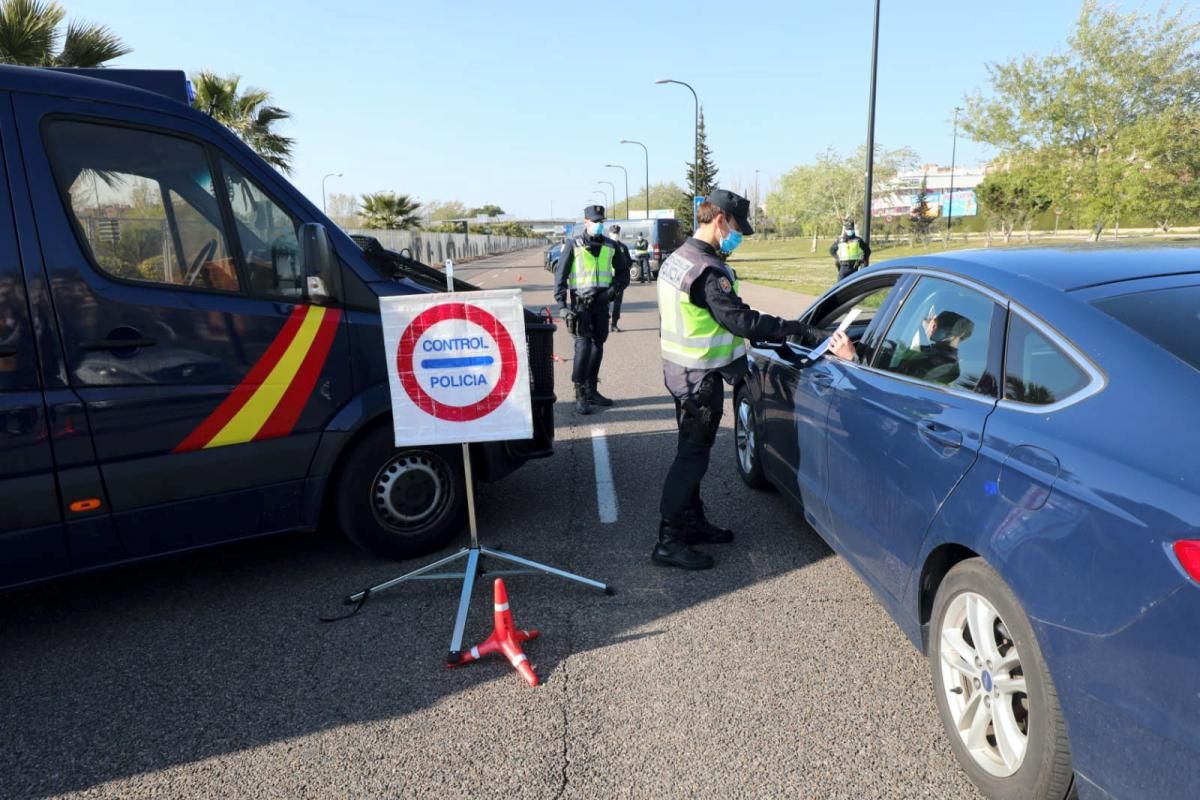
(190, 352)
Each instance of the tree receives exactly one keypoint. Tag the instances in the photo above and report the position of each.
(488, 210)
(920, 219)
(816, 197)
(248, 113)
(1013, 197)
(702, 182)
(1085, 115)
(30, 35)
(662, 195)
(343, 209)
(439, 211)
(389, 211)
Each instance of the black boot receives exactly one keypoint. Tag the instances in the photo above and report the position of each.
(700, 531)
(595, 398)
(613, 327)
(581, 399)
(672, 549)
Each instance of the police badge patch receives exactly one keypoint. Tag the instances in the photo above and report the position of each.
(725, 285)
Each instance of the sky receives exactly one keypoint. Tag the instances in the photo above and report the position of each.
(522, 104)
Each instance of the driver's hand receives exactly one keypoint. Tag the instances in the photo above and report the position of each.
(842, 347)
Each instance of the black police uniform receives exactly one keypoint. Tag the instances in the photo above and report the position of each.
(620, 293)
(590, 309)
(699, 393)
(848, 268)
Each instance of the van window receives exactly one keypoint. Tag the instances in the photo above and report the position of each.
(143, 203)
(268, 237)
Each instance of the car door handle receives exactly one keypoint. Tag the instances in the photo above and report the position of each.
(116, 344)
(941, 434)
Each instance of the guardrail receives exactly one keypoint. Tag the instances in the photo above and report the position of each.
(435, 248)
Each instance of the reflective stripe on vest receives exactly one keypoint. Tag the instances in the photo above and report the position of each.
(689, 335)
(642, 248)
(591, 271)
(850, 251)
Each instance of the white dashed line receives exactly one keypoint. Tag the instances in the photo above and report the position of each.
(606, 492)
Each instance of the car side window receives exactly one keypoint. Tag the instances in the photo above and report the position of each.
(1036, 371)
(869, 302)
(942, 335)
(268, 237)
(144, 204)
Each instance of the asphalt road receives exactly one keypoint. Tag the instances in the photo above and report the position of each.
(776, 674)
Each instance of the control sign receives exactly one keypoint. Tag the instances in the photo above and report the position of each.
(458, 367)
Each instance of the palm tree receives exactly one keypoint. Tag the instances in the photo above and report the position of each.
(30, 35)
(389, 211)
(248, 113)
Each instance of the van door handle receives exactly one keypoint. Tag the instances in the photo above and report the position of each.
(941, 434)
(116, 344)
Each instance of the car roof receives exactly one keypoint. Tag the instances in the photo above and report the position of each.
(38, 80)
(1063, 268)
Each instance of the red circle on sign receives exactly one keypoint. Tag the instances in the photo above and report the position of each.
(408, 346)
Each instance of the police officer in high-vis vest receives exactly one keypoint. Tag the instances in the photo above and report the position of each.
(703, 323)
(591, 271)
(849, 251)
(641, 252)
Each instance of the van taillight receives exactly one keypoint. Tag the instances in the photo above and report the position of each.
(1188, 553)
(658, 252)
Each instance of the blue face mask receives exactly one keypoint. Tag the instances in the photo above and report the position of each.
(598, 229)
(730, 241)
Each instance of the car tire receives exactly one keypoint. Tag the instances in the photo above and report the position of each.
(747, 440)
(399, 503)
(995, 697)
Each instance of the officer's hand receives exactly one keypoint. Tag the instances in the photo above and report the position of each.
(612, 294)
(567, 313)
(842, 347)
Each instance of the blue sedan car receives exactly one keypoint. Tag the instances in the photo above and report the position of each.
(1012, 464)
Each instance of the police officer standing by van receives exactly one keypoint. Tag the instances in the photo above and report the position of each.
(591, 271)
(850, 251)
(703, 323)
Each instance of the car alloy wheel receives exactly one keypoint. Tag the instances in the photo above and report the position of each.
(744, 436)
(983, 684)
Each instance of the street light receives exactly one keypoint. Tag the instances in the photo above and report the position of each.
(618, 166)
(695, 136)
(613, 196)
(953, 156)
(639, 144)
(871, 129)
(330, 175)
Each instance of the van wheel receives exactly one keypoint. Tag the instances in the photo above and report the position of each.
(993, 691)
(401, 502)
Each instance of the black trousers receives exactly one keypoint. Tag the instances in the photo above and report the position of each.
(589, 340)
(616, 306)
(699, 418)
(847, 268)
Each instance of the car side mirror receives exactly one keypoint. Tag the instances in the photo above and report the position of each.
(318, 264)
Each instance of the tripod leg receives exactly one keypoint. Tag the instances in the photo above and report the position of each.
(546, 569)
(464, 602)
(354, 598)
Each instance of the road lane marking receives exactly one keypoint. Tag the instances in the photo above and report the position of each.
(606, 492)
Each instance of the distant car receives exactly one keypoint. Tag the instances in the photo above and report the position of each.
(1013, 467)
(552, 254)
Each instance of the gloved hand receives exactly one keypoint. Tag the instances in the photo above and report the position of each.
(612, 293)
(570, 318)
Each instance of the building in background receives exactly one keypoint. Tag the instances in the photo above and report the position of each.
(898, 197)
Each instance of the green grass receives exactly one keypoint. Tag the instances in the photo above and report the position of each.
(791, 264)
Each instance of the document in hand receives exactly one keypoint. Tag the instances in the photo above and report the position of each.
(820, 349)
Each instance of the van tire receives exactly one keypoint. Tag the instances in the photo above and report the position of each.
(400, 503)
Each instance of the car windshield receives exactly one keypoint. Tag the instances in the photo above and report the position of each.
(1168, 317)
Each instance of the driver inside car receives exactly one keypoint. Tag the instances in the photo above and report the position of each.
(937, 361)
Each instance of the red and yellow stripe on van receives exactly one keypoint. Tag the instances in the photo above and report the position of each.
(268, 402)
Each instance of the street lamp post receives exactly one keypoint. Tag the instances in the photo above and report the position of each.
(613, 197)
(695, 134)
(618, 166)
(324, 210)
(639, 144)
(871, 129)
(755, 199)
(953, 156)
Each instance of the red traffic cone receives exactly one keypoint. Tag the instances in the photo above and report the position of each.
(505, 639)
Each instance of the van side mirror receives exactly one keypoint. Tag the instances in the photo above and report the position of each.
(318, 264)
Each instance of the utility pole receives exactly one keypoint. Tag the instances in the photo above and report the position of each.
(871, 129)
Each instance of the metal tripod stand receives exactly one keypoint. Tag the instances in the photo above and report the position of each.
(472, 570)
